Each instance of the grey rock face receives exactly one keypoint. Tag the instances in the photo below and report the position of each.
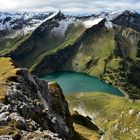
(37, 108)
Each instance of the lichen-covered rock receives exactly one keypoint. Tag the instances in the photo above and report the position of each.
(34, 109)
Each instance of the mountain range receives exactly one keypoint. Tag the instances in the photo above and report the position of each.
(104, 45)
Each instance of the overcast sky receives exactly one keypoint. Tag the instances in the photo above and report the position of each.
(75, 6)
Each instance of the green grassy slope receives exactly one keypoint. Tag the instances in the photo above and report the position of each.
(7, 70)
(79, 44)
(70, 38)
(118, 116)
(93, 51)
(10, 44)
(109, 54)
(39, 44)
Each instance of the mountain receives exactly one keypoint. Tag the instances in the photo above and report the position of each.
(20, 22)
(104, 45)
(30, 107)
(16, 27)
(47, 36)
(128, 19)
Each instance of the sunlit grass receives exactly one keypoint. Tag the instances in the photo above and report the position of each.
(7, 69)
(107, 111)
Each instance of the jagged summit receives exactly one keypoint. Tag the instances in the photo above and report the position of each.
(91, 22)
(126, 13)
(56, 15)
(15, 24)
(129, 19)
(60, 13)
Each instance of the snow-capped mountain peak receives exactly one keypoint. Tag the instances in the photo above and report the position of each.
(17, 21)
(12, 24)
(91, 22)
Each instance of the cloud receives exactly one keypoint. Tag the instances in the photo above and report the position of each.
(72, 6)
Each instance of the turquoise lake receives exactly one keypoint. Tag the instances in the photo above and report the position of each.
(73, 82)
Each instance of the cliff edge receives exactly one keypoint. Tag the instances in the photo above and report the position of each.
(31, 108)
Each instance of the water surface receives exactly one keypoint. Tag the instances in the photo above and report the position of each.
(73, 82)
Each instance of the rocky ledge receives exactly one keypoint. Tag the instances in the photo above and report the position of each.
(33, 109)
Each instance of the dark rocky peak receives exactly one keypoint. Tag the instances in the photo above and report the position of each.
(128, 19)
(98, 26)
(6, 19)
(85, 17)
(132, 13)
(57, 16)
(104, 14)
(129, 15)
(60, 14)
(94, 29)
(50, 23)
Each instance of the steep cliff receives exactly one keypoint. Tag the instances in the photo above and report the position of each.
(31, 108)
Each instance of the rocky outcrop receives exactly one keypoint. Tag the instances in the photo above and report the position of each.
(34, 109)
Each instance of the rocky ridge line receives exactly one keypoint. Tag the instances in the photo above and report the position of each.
(34, 109)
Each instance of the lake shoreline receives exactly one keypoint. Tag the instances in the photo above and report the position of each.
(73, 82)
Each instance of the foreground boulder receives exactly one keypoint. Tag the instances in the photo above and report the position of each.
(31, 108)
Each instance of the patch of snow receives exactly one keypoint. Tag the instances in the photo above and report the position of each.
(108, 24)
(4, 108)
(63, 26)
(28, 29)
(28, 16)
(89, 23)
(5, 26)
(51, 16)
(37, 23)
(14, 34)
(114, 15)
